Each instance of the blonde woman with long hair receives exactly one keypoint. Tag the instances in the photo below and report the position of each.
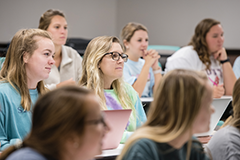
(205, 52)
(28, 62)
(225, 143)
(103, 64)
(181, 107)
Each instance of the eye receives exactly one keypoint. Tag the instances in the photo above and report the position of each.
(57, 27)
(146, 40)
(46, 54)
(115, 55)
(65, 27)
(140, 40)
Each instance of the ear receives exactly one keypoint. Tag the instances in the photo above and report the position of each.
(26, 57)
(125, 43)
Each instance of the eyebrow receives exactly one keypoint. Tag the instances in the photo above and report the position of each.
(47, 50)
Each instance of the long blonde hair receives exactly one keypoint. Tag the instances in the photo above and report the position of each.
(13, 70)
(175, 106)
(92, 76)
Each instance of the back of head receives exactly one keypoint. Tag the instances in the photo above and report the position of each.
(56, 115)
(198, 40)
(176, 103)
(129, 30)
(47, 16)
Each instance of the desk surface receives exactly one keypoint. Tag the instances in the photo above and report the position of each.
(111, 152)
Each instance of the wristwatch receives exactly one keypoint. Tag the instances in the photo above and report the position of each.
(226, 60)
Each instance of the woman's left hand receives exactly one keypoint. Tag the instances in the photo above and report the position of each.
(220, 55)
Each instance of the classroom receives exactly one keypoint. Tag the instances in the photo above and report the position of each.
(168, 27)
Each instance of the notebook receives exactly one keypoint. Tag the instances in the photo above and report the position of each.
(117, 120)
(220, 105)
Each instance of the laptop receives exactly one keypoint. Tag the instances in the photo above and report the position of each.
(117, 121)
(220, 105)
(146, 103)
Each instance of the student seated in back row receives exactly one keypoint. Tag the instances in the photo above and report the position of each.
(143, 74)
(103, 64)
(67, 124)
(28, 62)
(181, 108)
(225, 143)
(68, 67)
(206, 53)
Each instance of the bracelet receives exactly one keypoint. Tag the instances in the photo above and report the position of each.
(157, 71)
(224, 61)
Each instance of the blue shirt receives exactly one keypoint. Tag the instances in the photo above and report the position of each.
(15, 123)
(131, 72)
(236, 67)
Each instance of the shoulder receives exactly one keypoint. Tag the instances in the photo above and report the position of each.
(141, 149)
(186, 51)
(6, 87)
(71, 52)
(129, 89)
(26, 154)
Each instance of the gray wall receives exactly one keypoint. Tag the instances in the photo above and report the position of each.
(86, 18)
(170, 22)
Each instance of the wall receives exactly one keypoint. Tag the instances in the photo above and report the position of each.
(172, 22)
(86, 18)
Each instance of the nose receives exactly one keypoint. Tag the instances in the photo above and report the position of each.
(51, 61)
(145, 43)
(120, 60)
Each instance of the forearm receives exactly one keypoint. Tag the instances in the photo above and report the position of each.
(142, 79)
(157, 78)
(229, 78)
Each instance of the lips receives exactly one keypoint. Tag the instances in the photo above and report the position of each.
(48, 68)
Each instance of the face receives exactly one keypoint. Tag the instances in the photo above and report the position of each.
(215, 39)
(38, 66)
(202, 120)
(94, 131)
(58, 30)
(112, 69)
(138, 43)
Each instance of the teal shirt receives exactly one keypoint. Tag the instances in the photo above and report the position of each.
(135, 120)
(2, 59)
(15, 123)
(146, 149)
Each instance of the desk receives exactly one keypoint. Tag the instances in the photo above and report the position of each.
(110, 154)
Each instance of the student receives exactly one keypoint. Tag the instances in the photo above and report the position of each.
(67, 69)
(225, 143)
(181, 108)
(56, 135)
(205, 52)
(143, 74)
(28, 61)
(236, 67)
(103, 64)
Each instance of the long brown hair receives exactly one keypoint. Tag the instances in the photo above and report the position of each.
(198, 40)
(175, 106)
(13, 69)
(47, 16)
(56, 115)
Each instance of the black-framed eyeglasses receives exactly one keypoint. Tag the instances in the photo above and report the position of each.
(97, 121)
(116, 56)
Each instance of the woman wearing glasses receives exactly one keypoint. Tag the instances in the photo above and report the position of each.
(143, 74)
(55, 134)
(103, 64)
(205, 52)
